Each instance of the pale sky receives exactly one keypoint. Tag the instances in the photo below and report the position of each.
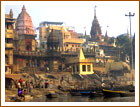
(80, 14)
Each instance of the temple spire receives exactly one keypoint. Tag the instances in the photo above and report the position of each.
(106, 35)
(23, 8)
(11, 13)
(85, 31)
(95, 11)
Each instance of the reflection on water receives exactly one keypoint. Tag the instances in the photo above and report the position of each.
(84, 99)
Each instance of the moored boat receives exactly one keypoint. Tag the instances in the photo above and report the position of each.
(127, 94)
(80, 92)
(51, 95)
(74, 93)
(85, 92)
(96, 94)
(112, 93)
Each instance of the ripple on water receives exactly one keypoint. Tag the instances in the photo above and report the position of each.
(83, 99)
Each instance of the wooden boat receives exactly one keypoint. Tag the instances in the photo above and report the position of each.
(80, 92)
(127, 94)
(112, 93)
(96, 94)
(75, 93)
(85, 92)
(51, 95)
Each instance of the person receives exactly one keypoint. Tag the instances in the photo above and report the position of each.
(46, 84)
(111, 85)
(62, 78)
(40, 84)
(30, 88)
(20, 81)
(23, 84)
(103, 85)
(20, 93)
(16, 84)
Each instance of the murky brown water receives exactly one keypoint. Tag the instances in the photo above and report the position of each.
(84, 99)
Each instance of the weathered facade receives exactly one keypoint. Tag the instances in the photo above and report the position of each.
(54, 53)
(68, 39)
(81, 65)
(25, 32)
(9, 35)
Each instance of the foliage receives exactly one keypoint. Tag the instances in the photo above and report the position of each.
(124, 43)
(111, 40)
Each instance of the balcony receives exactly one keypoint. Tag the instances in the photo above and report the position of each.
(9, 30)
(8, 45)
(9, 35)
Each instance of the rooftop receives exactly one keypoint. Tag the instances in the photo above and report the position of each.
(51, 23)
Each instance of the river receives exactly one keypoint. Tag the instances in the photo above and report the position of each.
(70, 98)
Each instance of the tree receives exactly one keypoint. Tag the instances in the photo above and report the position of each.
(124, 43)
(111, 40)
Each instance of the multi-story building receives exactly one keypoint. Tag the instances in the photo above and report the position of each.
(9, 35)
(24, 40)
(68, 39)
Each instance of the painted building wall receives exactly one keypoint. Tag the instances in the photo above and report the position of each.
(87, 70)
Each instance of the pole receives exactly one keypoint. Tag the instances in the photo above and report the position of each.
(130, 15)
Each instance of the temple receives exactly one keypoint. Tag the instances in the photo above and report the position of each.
(95, 28)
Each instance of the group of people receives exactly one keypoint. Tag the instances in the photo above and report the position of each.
(24, 88)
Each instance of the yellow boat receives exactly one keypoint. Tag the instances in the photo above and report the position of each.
(112, 93)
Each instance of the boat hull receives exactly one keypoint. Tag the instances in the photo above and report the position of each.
(80, 92)
(96, 94)
(111, 93)
(51, 95)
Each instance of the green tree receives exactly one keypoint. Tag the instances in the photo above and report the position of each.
(111, 40)
(123, 42)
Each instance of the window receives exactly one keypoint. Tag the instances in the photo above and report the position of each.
(83, 67)
(88, 68)
(73, 68)
(77, 68)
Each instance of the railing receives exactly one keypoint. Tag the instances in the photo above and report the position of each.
(34, 53)
(28, 53)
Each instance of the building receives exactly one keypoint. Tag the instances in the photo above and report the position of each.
(25, 32)
(102, 41)
(68, 39)
(81, 65)
(24, 41)
(9, 36)
(53, 53)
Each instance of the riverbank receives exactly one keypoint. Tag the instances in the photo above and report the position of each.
(11, 94)
(38, 95)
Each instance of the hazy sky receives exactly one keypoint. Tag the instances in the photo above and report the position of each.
(80, 14)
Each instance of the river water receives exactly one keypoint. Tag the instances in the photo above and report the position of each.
(70, 98)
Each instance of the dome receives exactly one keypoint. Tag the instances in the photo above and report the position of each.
(24, 24)
(52, 39)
